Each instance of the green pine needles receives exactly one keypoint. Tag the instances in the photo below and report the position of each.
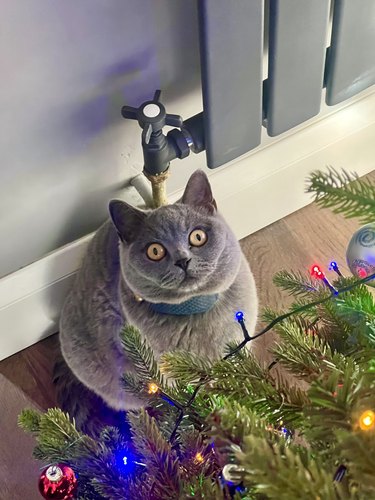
(345, 193)
(300, 428)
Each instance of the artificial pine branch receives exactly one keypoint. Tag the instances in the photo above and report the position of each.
(203, 488)
(29, 420)
(229, 426)
(307, 313)
(338, 400)
(161, 460)
(185, 367)
(247, 382)
(56, 435)
(303, 352)
(296, 283)
(286, 473)
(357, 306)
(334, 328)
(357, 451)
(345, 193)
(103, 479)
(142, 357)
(134, 385)
(204, 404)
(307, 291)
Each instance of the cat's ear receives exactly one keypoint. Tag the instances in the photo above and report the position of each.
(126, 219)
(198, 192)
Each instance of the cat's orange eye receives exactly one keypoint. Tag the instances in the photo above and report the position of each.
(156, 251)
(197, 238)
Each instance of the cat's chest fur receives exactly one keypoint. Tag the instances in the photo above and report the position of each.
(205, 334)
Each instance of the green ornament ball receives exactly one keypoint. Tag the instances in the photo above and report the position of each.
(360, 254)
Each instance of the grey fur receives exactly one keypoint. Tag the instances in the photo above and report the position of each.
(114, 269)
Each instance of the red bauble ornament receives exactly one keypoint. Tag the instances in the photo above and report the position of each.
(58, 482)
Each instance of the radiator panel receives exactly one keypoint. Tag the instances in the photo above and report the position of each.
(351, 65)
(231, 43)
(297, 47)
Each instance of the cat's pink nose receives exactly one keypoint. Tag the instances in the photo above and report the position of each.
(182, 263)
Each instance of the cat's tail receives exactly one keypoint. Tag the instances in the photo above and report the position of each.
(90, 412)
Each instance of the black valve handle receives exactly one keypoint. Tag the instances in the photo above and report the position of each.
(151, 116)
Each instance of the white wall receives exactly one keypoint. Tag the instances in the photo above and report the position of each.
(66, 69)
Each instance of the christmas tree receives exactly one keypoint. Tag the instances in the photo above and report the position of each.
(237, 428)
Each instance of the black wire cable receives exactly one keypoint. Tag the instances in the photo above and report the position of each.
(248, 338)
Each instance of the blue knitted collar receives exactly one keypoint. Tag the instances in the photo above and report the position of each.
(196, 305)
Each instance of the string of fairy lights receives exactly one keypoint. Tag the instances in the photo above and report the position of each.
(62, 478)
(186, 409)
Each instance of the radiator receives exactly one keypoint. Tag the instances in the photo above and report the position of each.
(310, 44)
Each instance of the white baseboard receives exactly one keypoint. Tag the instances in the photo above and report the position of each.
(251, 192)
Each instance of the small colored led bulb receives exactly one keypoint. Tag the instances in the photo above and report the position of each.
(152, 388)
(317, 272)
(334, 267)
(239, 316)
(367, 420)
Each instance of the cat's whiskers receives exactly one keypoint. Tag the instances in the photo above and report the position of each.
(168, 280)
(193, 288)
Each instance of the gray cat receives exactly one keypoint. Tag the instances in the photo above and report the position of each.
(177, 273)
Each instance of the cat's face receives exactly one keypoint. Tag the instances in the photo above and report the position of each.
(177, 251)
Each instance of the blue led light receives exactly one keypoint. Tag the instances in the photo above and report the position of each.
(239, 316)
(124, 462)
(241, 488)
(333, 266)
(286, 432)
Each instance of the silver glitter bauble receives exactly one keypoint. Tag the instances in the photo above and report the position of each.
(360, 254)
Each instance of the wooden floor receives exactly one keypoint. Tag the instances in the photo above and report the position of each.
(311, 235)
